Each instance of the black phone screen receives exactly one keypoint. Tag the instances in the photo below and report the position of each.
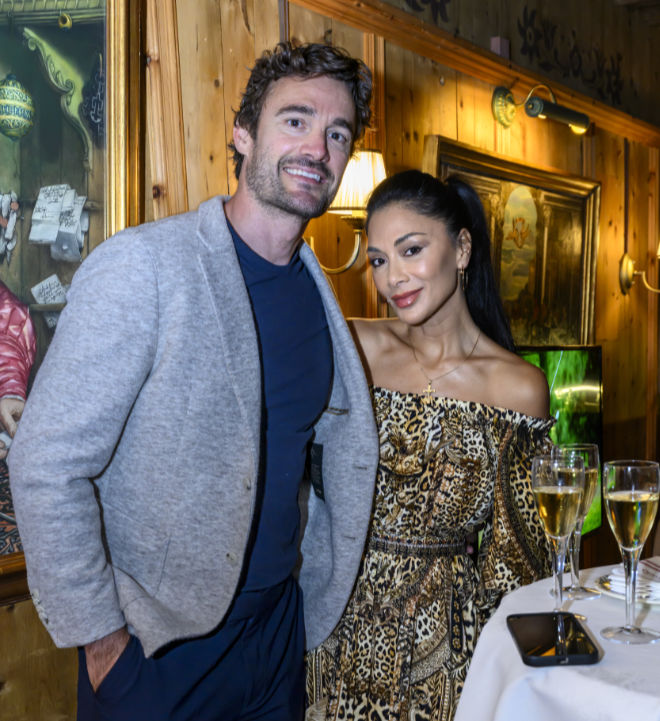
(547, 639)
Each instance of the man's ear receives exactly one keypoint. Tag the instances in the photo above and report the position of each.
(243, 141)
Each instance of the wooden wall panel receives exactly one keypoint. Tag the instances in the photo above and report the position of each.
(167, 151)
(475, 127)
(202, 92)
(37, 680)
(238, 54)
(218, 41)
(577, 43)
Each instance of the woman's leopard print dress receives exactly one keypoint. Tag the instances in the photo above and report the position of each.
(447, 469)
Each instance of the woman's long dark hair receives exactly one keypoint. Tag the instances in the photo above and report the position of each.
(457, 205)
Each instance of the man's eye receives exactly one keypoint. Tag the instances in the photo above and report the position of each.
(294, 122)
(338, 137)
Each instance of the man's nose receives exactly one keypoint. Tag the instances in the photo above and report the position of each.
(316, 145)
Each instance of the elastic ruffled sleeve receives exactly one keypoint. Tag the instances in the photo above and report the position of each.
(514, 550)
(17, 345)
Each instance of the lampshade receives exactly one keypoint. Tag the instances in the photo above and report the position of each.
(363, 173)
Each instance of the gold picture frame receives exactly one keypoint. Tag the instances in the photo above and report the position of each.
(543, 226)
(116, 164)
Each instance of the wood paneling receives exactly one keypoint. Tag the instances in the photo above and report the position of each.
(202, 99)
(37, 680)
(167, 155)
(408, 32)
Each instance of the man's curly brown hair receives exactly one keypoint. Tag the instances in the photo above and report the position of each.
(310, 60)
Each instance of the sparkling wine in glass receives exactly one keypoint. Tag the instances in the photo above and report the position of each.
(631, 490)
(589, 454)
(558, 485)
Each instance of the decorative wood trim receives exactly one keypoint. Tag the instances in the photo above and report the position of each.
(406, 31)
(13, 578)
(652, 305)
(283, 12)
(168, 152)
(124, 71)
(374, 58)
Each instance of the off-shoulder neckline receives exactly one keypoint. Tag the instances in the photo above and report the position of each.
(447, 399)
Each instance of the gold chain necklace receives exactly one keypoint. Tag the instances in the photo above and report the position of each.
(429, 391)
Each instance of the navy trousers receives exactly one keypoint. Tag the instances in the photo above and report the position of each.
(250, 668)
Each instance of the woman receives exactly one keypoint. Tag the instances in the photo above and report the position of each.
(459, 416)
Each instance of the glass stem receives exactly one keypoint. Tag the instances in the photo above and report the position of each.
(558, 557)
(576, 538)
(630, 560)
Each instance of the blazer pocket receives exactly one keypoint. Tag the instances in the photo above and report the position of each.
(136, 548)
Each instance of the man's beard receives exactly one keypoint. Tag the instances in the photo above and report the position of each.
(270, 190)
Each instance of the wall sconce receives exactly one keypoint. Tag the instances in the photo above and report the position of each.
(627, 274)
(363, 173)
(504, 109)
(627, 270)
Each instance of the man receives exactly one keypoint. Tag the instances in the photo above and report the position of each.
(198, 360)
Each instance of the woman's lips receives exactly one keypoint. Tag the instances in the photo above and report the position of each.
(403, 300)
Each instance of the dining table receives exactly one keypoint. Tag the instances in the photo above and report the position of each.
(623, 685)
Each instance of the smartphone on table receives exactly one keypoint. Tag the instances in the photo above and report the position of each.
(550, 639)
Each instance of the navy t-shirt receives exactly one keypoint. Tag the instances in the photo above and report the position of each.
(296, 362)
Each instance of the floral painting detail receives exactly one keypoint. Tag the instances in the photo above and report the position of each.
(438, 8)
(544, 44)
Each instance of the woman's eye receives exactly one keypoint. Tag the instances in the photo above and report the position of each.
(376, 262)
(412, 250)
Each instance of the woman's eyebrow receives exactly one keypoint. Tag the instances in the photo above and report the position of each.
(398, 241)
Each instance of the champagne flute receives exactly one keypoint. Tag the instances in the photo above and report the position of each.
(558, 485)
(631, 490)
(590, 457)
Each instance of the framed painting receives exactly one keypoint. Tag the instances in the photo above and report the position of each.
(544, 235)
(70, 163)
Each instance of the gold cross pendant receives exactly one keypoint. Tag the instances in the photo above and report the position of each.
(429, 393)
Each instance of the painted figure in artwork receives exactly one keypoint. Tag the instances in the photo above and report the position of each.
(17, 351)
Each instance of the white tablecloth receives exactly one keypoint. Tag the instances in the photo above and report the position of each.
(624, 685)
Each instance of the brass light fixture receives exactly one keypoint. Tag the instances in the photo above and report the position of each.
(627, 274)
(504, 109)
(363, 173)
(627, 270)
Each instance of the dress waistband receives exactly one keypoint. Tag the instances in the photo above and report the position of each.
(418, 548)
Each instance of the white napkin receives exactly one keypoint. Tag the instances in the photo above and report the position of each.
(648, 579)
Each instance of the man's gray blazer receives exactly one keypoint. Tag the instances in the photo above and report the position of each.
(152, 387)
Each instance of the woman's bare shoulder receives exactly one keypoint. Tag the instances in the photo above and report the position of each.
(519, 385)
(373, 332)
(374, 337)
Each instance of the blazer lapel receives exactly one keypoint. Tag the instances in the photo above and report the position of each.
(233, 311)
